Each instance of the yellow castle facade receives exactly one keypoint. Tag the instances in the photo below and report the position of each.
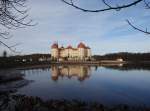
(81, 52)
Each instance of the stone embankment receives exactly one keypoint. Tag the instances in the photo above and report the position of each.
(98, 63)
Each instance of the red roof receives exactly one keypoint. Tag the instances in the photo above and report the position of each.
(55, 45)
(69, 47)
(81, 45)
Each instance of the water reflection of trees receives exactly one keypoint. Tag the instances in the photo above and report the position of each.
(35, 70)
(131, 66)
(70, 71)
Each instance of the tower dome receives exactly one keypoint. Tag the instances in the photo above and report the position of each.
(54, 46)
(81, 45)
(69, 47)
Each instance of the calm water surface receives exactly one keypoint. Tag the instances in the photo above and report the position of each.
(89, 83)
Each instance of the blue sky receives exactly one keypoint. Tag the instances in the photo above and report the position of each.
(105, 32)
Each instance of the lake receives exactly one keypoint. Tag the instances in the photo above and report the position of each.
(107, 85)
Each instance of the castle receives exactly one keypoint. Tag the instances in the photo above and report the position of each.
(82, 52)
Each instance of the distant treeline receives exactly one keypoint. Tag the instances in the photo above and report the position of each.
(125, 56)
(38, 59)
(22, 60)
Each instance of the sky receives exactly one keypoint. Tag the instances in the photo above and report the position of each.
(104, 32)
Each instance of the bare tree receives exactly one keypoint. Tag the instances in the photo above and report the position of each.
(110, 7)
(5, 53)
(13, 15)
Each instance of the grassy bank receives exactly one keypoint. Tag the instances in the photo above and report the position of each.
(24, 103)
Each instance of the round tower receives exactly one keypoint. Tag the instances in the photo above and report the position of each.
(81, 48)
(54, 51)
(54, 73)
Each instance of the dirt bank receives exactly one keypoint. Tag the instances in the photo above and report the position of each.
(24, 103)
(11, 80)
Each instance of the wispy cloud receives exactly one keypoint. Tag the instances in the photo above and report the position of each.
(104, 32)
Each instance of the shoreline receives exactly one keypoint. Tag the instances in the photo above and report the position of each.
(86, 63)
(100, 62)
(11, 80)
(91, 63)
(28, 103)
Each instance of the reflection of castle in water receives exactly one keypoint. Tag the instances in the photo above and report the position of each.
(81, 72)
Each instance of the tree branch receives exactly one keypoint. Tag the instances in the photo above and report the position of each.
(136, 28)
(117, 8)
(13, 15)
(11, 48)
(105, 9)
(147, 4)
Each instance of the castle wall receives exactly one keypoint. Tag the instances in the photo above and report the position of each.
(54, 53)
